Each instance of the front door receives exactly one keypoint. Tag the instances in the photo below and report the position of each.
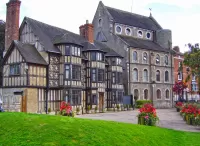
(101, 101)
(24, 105)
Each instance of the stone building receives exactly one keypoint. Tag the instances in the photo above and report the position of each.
(44, 65)
(146, 48)
(180, 75)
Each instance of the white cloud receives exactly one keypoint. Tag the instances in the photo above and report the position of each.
(71, 14)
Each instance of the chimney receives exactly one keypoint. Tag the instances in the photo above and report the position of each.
(87, 31)
(12, 22)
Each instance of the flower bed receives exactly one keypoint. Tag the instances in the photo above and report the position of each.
(191, 114)
(147, 115)
(179, 106)
(66, 109)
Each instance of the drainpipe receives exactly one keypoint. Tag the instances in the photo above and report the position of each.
(47, 83)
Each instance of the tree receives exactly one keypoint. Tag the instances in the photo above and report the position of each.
(192, 60)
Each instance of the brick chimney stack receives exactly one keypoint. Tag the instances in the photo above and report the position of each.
(87, 31)
(12, 22)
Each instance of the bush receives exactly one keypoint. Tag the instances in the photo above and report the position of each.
(140, 103)
(66, 109)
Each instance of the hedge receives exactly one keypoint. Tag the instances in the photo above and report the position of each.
(140, 103)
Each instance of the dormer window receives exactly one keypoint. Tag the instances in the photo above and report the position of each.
(76, 51)
(96, 56)
(128, 31)
(119, 61)
(148, 35)
(118, 29)
(140, 34)
(157, 59)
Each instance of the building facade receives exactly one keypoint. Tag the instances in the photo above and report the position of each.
(181, 74)
(146, 48)
(47, 65)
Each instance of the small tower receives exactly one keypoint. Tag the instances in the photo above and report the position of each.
(12, 22)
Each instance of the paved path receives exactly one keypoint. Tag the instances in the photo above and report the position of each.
(169, 118)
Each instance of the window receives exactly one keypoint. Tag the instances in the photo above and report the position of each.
(66, 98)
(119, 78)
(76, 97)
(120, 97)
(145, 76)
(94, 99)
(67, 50)
(100, 22)
(79, 52)
(118, 29)
(93, 56)
(76, 72)
(146, 94)
(157, 59)
(157, 75)
(193, 77)
(135, 75)
(114, 100)
(100, 75)
(194, 87)
(136, 93)
(135, 56)
(67, 71)
(158, 94)
(113, 77)
(140, 34)
(93, 75)
(128, 31)
(73, 50)
(144, 57)
(180, 76)
(148, 35)
(119, 61)
(166, 76)
(15, 69)
(167, 94)
(166, 60)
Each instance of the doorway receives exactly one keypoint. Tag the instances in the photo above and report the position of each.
(101, 101)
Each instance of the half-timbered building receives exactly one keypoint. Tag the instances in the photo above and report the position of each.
(47, 65)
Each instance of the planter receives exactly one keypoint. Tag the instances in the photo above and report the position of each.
(141, 121)
(178, 109)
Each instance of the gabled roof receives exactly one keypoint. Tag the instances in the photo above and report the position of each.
(28, 52)
(50, 35)
(142, 44)
(132, 19)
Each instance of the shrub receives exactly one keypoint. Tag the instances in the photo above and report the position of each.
(77, 109)
(49, 110)
(118, 106)
(66, 109)
(140, 103)
(88, 108)
(147, 115)
(96, 108)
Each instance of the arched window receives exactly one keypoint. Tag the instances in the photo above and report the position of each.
(166, 60)
(145, 57)
(157, 59)
(136, 93)
(158, 94)
(135, 58)
(167, 94)
(135, 75)
(145, 76)
(157, 75)
(166, 76)
(146, 94)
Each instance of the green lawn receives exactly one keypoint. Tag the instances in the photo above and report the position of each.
(19, 129)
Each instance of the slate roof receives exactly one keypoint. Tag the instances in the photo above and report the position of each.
(142, 44)
(30, 53)
(50, 36)
(132, 19)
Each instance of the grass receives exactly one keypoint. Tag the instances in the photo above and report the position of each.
(19, 129)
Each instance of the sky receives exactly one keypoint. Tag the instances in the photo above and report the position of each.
(180, 16)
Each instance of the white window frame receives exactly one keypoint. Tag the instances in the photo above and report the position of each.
(150, 35)
(130, 31)
(116, 29)
(139, 34)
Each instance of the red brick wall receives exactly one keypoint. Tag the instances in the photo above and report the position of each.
(177, 59)
(12, 22)
(87, 31)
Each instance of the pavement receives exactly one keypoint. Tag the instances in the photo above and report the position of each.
(169, 118)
